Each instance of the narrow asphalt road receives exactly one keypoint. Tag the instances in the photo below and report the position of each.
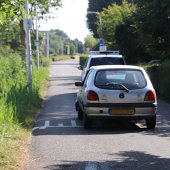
(59, 142)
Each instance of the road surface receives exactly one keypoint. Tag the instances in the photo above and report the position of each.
(59, 142)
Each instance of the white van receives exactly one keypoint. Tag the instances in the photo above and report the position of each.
(102, 58)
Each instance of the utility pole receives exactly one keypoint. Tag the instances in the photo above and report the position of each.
(46, 43)
(37, 39)
(27, 27)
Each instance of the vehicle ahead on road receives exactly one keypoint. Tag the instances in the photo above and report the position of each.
(154, 62)
(102, 58)
(119, 91)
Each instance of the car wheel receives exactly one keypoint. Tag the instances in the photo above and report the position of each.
(79, 111)
(151, 123)
(86, 121)
(80, 114)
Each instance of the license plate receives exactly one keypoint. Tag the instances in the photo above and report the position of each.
(124, 111)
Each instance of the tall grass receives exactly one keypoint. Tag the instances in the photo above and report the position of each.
(18, 105)
(16, 101)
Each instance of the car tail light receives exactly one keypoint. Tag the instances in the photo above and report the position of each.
(150, 95)
(93, 96)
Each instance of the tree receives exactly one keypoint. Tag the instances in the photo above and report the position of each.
(90, 42)
(72, 49)
(97, 6)
(11, 19)
(112, 17)
(79, 46)
(127, 40)
(153, 22)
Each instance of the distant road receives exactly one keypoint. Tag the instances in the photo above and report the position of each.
(59, 142)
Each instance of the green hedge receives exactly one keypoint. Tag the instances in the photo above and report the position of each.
(160, 77)
(83, 58)
(154, 74)
(164, 80)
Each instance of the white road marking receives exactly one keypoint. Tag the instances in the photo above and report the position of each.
(73, 123)
(46, 125)
(60, 125)
(140, 125)
(91, 166)
(163, 126)
(157, 126)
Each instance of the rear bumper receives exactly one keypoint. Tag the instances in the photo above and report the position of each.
(141, 110)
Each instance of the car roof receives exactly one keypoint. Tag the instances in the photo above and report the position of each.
(103, 52)
(105, 55)
(116, 67)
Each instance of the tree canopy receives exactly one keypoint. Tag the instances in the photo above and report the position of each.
(97, 6)
(11, 20)
(153, 22)
(90, 42)
(139, 29)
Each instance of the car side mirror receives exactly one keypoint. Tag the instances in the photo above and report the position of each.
(78, 84)
(80, 68)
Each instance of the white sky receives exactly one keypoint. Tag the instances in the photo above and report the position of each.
(71, 18)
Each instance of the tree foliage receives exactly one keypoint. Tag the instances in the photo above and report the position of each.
(90, 42)
(60, 43)
(112, 17)
(153, 22)
(11, 20)
(139, 29)
(97, 6)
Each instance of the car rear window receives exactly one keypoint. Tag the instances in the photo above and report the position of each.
(106, 61)
(119, 78)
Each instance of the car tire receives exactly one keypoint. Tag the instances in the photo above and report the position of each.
(79, 111)
(151, 123)
(86, 121)
(80, 114)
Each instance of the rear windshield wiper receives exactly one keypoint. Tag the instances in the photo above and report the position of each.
(118, 84)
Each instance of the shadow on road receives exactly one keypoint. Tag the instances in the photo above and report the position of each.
(57, 113)
(130, 160)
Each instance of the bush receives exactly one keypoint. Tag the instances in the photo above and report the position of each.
(45, 61)
(164, 80)
(154, 74)
(60, 57)
(83, 58)
(160, 78)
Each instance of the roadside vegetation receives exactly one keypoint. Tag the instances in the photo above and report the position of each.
(138, 29)
(18, 106)
(60, 57)
(160, 77)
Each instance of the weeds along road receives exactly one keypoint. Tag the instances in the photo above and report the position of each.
(59, 142)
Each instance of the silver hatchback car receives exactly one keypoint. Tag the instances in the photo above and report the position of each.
(118, 91)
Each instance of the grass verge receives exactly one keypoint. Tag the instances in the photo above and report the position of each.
(18, 108)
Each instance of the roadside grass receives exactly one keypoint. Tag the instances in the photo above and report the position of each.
(13, 148)
(18, 109)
